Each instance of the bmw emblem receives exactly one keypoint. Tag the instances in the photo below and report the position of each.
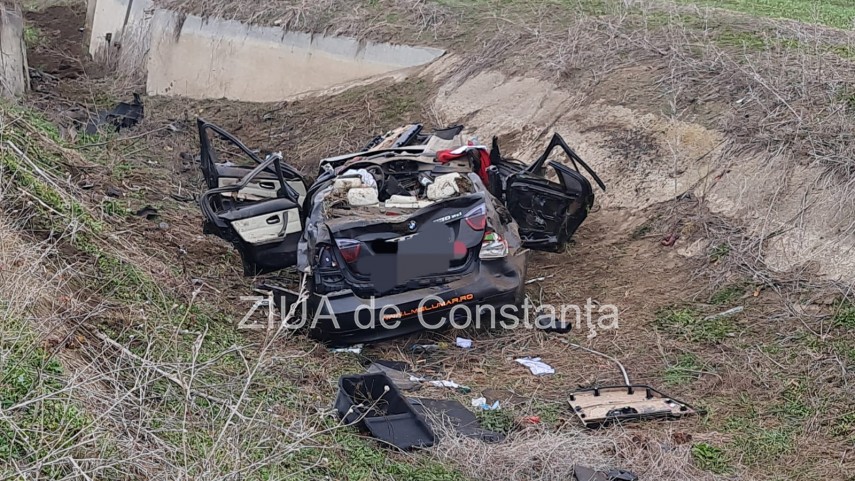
(412, 225)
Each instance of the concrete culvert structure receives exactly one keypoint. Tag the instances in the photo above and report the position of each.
(187, 55)
(14, 77)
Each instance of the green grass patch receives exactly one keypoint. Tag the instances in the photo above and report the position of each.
(710, 458)
(728, 294)
(793, 405)
(685, 370)
(694, 325)
(32, 36)
(844, 426)
(642, 230)
(844, 315)
(756, 443)
(748, 40)
(500, 420)
(834, 13)
(39, 420)
(719, 252)
(762, 446)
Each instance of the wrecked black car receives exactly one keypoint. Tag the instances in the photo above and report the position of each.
(398, 237)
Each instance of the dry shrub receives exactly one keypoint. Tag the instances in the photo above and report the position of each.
(535, 453)
(384, 20)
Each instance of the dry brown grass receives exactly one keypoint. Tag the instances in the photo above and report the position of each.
(386, 20)
(103, 376)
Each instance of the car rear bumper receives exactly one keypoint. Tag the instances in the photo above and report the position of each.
(343, 318)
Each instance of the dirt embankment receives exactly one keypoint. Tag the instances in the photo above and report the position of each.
(797, 210)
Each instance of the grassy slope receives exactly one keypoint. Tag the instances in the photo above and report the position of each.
(834, 13)
(43, 428)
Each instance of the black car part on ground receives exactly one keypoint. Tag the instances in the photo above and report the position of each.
(452, 412)
(373, 403)
(123, 116)
(582, 473)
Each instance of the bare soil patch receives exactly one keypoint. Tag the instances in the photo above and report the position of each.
(57, 41)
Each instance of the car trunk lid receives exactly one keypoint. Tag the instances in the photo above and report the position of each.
(433, 242)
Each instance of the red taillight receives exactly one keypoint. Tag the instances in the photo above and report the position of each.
(349, 249)
(494, 246)
(460, 250)
(477, 218)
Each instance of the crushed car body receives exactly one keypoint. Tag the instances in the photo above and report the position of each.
(400, 232)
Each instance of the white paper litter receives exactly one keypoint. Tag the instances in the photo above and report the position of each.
(464, 343)
(449, 384)
(354, 349)
(481, 402)
(536, 366)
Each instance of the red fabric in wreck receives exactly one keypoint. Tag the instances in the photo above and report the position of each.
(485, 162)
(446, 156)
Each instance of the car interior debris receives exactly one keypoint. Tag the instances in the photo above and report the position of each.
(462, 420)
(604, 405)
(373, 403)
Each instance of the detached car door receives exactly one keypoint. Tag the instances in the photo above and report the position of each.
(548, 212)
(266, 228)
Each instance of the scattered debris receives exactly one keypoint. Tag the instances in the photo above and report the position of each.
(598, 353)
(428, 347)
(464, 343)
(530, 419)
(550, 323)
(669, 240)
(581, 473)
(397, 375)
(354, 349)
(123, 116)
(481, 402)
(507, 398)
(539, 279)
(442, 383)
(373, 403)
(113, 192)
(149, 212)
(444, 186)
(536, 366)
(461, 419)
(725, 314)
(599, 406)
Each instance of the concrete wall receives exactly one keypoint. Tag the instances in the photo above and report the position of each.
(108, 21)
(14, 75)
(214, 58)
(220, 58)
